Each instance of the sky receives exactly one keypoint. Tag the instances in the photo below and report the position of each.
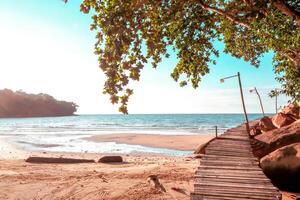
(47, 47)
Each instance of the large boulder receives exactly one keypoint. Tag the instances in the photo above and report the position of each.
(277, 138)
(281, 120)
(255, 130)
(265, 124)
(293, 110)
(283, 167)
(111, 159)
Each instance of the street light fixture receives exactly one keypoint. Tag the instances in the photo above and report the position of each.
(261, 105)
(242, 98)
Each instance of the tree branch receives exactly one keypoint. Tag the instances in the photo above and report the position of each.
(223, 13)
(287, 10)
(295, 58)
(248, 2)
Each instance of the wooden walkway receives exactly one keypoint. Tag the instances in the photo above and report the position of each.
(229, 171)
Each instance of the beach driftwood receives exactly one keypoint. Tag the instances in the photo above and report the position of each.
(37, 159)
(154, 182)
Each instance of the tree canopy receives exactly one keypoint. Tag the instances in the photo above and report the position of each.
(21, 104)
(248, 28)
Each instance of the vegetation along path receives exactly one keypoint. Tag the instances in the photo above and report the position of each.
(229, 171)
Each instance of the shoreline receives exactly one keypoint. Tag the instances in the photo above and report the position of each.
(164, 145)
(9, 151)
(173, 142)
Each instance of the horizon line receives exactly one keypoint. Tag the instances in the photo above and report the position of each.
(167, 113)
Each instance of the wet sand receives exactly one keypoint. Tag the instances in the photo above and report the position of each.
(177, 142)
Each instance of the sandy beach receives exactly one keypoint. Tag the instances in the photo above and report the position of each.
(177, 142)
(127, 180)
(21, 180)
(120, 181)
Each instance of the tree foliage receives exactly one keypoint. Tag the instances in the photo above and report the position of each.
(248, 28)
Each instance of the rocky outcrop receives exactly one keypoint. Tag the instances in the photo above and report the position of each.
(276, 141)
(283, 167)
(21, 104)
(254, 131)
(281, 120)
(277, 138)
(265, 124)
(293, 110)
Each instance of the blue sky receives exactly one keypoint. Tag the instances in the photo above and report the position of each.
(46, 46)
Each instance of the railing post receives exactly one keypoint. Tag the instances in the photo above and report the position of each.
(216, 130)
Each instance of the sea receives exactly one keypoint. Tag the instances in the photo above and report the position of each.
(68, 134)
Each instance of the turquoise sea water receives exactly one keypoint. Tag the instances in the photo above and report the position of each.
(67, 133)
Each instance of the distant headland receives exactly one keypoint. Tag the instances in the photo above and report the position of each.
(21, 104)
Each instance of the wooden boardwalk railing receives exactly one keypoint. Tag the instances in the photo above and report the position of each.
(229, 171)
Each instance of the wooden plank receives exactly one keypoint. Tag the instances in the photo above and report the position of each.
(227, 163)
(227, 138)
(229, 158)
(229, 195)
(230, 169)
(236, 138)
(236, 174)
(226, 153)
(237, 190)
(228, 149)
(248, 195)
(236, 185)
(226, 157)
(240, 180)
(231, 142)
(230, 145)
(258, 178)
(243, 173)
(222, 160)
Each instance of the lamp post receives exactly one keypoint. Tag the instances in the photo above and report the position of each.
(276, 102)
(242, 98)
(261, 105)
